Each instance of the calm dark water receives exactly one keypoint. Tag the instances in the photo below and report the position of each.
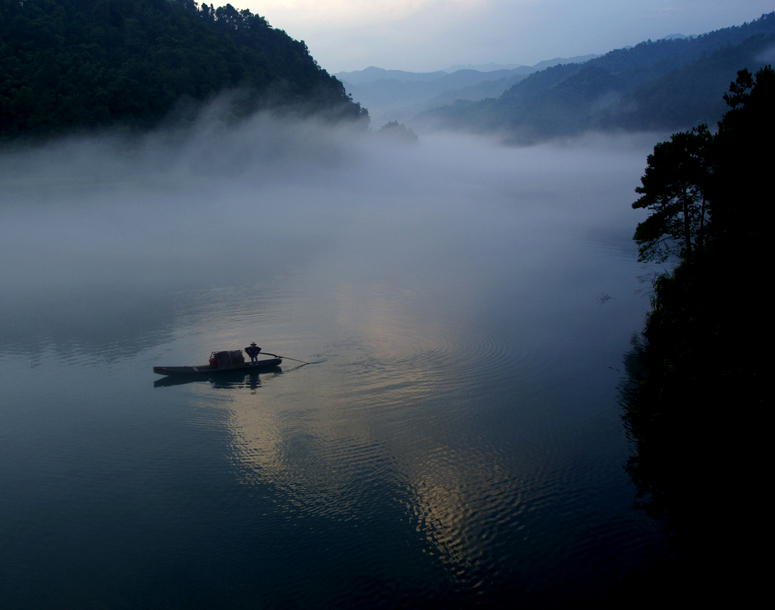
(456, 440)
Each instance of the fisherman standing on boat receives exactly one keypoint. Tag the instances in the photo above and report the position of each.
(252, 351)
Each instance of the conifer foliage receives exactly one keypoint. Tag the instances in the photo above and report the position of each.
(674, 189)
(70, 65)
(700, 398)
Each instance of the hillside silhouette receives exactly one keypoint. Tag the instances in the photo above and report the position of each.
(80, 65)
(663, 86)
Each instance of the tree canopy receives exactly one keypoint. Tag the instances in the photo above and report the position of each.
(674, 190)
(694, 183)
(705, 381)
(742, 201)
(82, 64)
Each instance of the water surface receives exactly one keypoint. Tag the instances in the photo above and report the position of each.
(456, 440)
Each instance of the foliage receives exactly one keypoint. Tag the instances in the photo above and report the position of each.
(742, 193)
(694, 409)
(674, 189)
(398, 132)
(83, 64)
(696, 175)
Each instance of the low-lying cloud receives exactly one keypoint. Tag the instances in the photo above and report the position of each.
(102, 229)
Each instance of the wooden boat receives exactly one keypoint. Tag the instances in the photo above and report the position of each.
(207, 369)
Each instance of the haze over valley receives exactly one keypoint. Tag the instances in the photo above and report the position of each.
(465, 412)
(664, 85)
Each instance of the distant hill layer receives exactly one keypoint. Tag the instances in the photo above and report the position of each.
(68, 65)
(663, 85)
(396, 94)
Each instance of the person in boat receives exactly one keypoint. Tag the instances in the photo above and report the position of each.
(253, 351)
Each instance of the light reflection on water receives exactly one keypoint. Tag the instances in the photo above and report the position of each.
(455, 440)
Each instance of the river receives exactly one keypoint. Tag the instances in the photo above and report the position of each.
(456, 439)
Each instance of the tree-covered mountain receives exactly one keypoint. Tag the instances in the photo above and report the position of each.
(396, 94)
(662, 85)
(68, 65)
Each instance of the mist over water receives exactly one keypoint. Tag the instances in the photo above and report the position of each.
(457, 438)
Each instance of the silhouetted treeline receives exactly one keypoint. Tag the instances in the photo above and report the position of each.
(701, 383)
(398, 132)
(662, 85)
(82, 64)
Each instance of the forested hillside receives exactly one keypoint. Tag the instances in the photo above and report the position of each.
(68, 65)
(662, 85)
(695, 406)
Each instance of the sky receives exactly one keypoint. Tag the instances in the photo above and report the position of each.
(427, 35)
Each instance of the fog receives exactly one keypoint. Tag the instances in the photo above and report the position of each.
(465, 307)
(104, 235)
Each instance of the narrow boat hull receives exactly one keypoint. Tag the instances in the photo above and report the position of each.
(206, 369)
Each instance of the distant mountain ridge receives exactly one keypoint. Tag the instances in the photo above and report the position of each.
(398, 94)
(669, 84)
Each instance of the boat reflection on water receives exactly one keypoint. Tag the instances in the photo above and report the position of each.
(223, 380)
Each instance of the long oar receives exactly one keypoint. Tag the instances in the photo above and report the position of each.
(284, 357)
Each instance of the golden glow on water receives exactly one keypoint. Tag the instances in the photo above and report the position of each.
(389, 402)
(388, 405)
(456, 432)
